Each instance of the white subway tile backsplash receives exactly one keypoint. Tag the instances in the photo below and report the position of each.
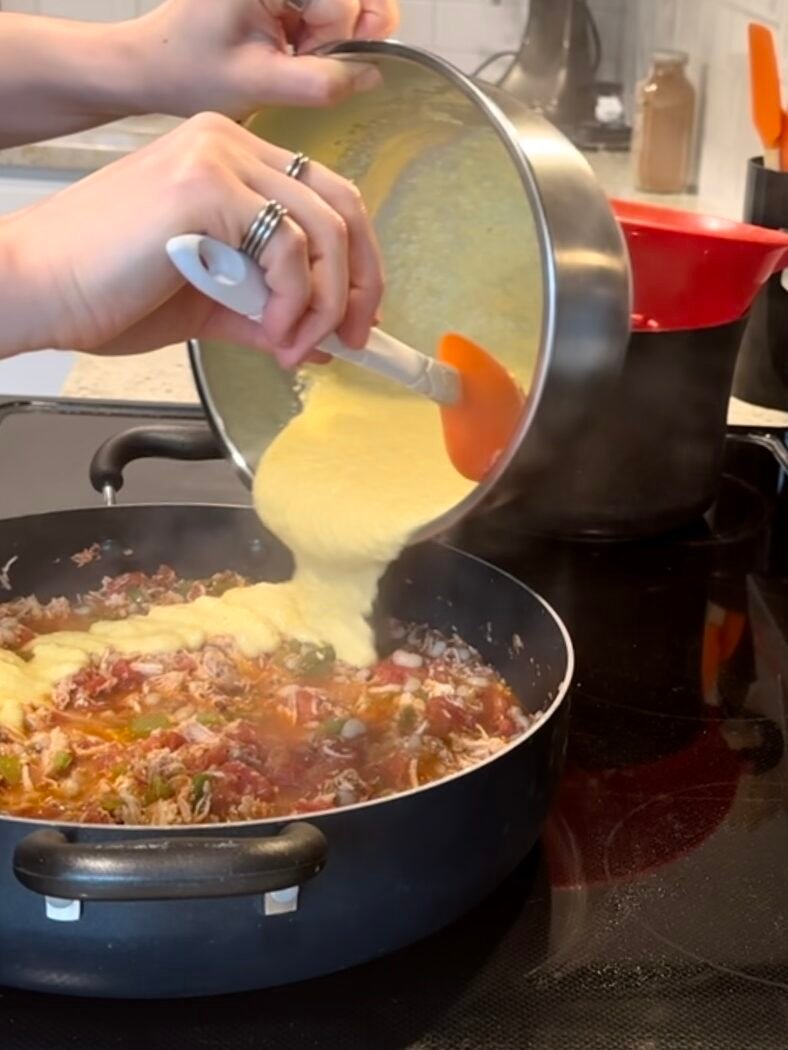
(89, 10)
(464, 25)
(466, 32)
(714, 33)
(465, 61)
(417, 23)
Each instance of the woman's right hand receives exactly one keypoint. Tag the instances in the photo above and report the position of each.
(89, 270)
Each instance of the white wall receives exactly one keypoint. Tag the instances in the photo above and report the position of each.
(714, 32)
(465, 31)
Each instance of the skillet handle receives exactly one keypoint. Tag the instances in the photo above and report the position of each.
(169, 868)
(180, 441)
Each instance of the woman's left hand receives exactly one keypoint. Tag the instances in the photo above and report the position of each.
(232, 56)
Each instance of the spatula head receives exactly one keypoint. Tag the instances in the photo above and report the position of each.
(765, 83)
(479, 427)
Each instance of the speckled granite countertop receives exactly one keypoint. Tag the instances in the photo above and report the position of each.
(166, 375)
(88, 150)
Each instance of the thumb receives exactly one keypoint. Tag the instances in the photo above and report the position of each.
(306, 80)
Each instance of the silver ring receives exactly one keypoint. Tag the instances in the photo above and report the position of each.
(295, 169)
(264, 226)
(299, 6)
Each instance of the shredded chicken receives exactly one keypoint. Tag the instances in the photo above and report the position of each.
(211, 736)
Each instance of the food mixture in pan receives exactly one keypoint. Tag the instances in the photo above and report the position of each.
(159, 701)
(216, 732)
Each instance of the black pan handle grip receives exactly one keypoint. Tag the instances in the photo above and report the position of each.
(171, 868)
(181, 441)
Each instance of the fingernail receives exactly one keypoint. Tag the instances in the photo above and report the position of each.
(284, 360)
(367, 79)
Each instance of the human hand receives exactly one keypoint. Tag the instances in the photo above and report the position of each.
(89, 269)
(232, 56)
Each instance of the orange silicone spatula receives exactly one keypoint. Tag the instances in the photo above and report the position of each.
(480, 425)
(784, 144)
(767, 113)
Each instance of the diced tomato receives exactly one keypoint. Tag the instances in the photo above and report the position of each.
(444, 718)
(394, 771)
(234, 782)
(125, 675)
(314, 805)
(197, 759)
(163, 739)
(495, 707)
(286, 767)
(89, 684)
(110, 758)
(244, 733)
(389, 673)
(306, 706)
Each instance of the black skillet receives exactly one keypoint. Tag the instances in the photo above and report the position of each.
(197, 911)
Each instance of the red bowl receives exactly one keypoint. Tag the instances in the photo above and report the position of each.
(695, 271)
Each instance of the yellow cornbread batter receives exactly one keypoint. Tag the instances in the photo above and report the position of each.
(344, 485)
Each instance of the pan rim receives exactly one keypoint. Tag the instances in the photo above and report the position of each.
(219, 830)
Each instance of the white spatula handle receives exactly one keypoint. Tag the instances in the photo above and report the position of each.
(231, 278)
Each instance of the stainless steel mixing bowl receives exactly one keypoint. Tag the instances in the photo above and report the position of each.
(491, 224)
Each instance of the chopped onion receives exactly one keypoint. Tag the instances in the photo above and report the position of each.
(353, 728)
(404, 659)
(145, 668)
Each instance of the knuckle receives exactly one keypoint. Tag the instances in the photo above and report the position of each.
(377, 287)
(334, 309)
(337, 227)
(204, 176)
(351, 196)
(208, 124)
(197, 177)
(294, 241)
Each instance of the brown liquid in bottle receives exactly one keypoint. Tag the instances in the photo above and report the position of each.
(663, 125)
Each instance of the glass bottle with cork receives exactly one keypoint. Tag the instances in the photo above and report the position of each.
(664, 122)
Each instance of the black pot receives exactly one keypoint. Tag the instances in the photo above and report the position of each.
(762, 369)
(190, 911)
(650, 461)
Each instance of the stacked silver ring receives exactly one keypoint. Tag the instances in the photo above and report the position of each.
(295, 169)
(265, 225)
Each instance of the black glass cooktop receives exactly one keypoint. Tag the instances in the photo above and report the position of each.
(652, 915)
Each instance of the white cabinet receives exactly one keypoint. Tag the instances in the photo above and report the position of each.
(41, 374)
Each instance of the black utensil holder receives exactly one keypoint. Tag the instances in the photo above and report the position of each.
(762, 369)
